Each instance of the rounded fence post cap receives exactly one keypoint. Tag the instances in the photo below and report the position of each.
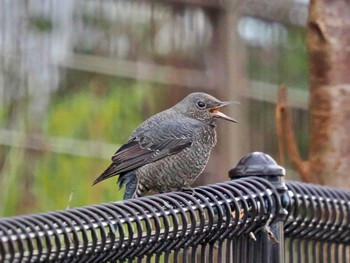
(256, 164)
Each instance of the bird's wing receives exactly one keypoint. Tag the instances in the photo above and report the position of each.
(169, 137)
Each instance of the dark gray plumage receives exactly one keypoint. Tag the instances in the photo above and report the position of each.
(169, 150)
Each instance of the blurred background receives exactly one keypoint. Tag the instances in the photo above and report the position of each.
(76, 77)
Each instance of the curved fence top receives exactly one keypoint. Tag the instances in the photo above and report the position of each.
(158, 225)
(318, 213)
(143, 226)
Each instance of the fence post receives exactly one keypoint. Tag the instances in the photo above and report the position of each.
(262, 165)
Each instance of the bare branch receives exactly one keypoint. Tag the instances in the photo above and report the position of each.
(285, 133)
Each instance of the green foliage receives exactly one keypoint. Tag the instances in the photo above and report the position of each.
(86, 115)
(54, 181)
(41, 24)
(11, 194)
(294, 59)
(285, 63)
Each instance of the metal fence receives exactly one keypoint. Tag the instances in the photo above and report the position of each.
(254, 218)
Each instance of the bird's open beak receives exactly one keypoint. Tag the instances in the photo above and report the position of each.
(216, 111)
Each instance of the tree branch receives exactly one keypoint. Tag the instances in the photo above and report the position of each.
(285, 134)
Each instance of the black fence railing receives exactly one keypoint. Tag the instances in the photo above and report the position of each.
(318, 225)
(249, 219)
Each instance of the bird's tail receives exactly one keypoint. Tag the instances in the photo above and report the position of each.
(130, 181)
(109, 172)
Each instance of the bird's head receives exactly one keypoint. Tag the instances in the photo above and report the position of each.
(204, 107)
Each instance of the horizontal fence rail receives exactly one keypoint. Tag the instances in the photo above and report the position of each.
(223, 222)
(154, 226)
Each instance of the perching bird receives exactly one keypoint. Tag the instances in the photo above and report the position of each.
(170, 149)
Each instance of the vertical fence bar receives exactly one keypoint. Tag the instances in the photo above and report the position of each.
(271, 237)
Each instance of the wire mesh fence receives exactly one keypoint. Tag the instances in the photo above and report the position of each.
(219, 223)
(318, 226)
(249, 219)
(179, 225)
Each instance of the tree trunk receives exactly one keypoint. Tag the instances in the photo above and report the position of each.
(329, 57)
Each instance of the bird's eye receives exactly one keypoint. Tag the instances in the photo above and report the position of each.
(201, 104)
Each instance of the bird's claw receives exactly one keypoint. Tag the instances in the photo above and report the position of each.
(271, 235)
(167, 205)
(252, 236)
(266, 228)
(189, 189)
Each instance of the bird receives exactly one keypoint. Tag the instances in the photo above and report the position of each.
(168, 151)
